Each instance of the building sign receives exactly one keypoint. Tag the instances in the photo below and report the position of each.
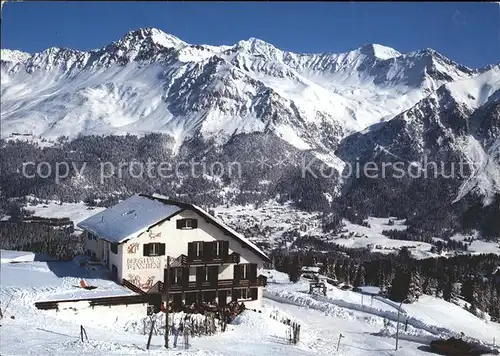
(143, 263)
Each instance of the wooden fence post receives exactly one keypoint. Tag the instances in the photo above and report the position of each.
(83, 332)
(150, 333)
(340, 337)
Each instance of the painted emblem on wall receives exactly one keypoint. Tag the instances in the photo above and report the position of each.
(141, 263)
(154, 235)
(132, 248)
(143, 283)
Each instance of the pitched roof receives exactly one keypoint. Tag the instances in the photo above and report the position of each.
(128, 218)
(132, 216)
(219, 223)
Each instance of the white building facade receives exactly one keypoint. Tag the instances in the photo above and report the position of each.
(209, 261)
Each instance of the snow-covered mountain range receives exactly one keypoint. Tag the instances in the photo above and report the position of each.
(150, 81)
(371, 102)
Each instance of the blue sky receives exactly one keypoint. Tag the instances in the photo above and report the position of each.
(468, 33)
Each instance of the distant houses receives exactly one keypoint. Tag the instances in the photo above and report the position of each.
(310, 272)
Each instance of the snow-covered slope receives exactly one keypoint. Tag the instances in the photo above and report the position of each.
(367, 326)
(150, 81)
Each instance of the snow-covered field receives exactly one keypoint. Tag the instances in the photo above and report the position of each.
(120, 330)
(33, 281)
(75, 211)
(21, 256)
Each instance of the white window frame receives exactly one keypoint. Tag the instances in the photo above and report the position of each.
(245, 270)
(177, 275)
(186, 223)
(198, 249)
(154, 249)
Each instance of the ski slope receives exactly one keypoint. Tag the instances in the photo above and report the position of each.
(120, 330)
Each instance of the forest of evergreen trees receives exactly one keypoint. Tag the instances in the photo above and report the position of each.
(426, 204)
(404, 278)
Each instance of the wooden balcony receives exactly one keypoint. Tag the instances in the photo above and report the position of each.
(185, 261)
(261, 281)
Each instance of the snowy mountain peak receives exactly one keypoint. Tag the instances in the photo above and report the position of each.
(378, 51)
(257, 46)
(433, 58)
(154, 35)
(13, 55)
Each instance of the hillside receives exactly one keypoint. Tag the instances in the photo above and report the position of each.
(119, 330)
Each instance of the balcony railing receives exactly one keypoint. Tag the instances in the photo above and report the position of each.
(260, 281)
(185, 261)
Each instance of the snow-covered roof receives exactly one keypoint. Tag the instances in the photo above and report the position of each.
(132, 216)
(310, 269)
(128, 218)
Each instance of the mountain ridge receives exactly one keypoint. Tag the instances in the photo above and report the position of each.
(371, 102)
(359, 77)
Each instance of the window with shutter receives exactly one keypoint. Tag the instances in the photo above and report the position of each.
(217, 249)
(198, 250)
(208, 251)
(162, 249)
(171, 275)
(220, 249)
(176, 274)
(191, 251)
(213, 275)
(237, 273)
(245, 271)
(253, 272)
(225, 249)
(200, 274)
(185, 276)
(187, 224)
(145, 250)
(154, 249)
